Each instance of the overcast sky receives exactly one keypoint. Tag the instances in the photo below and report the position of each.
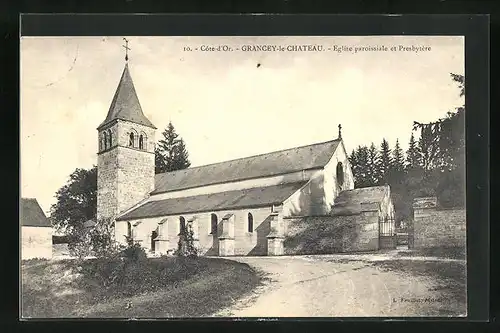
(221, 103)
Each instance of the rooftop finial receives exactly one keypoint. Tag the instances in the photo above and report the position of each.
(126, 48)
(340, 131)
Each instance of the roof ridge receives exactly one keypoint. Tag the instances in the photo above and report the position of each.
(246, 157)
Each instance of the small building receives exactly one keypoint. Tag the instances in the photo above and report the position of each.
(36, 230)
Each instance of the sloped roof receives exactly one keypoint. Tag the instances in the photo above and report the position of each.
(357, 200)
(270, 164)
(253, 197)
(31, 214)
(125, 104)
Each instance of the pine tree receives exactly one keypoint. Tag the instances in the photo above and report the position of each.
(397, 158)
(180, 159)
(373, 169)
(160, 165)
(412, 154)
(171, 153)
(384, 162)
(359, 165)
(427, 148)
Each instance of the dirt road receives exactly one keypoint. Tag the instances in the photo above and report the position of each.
(326, 286)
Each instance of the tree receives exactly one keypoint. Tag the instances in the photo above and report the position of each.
(160, 165)
(412, 154)
(181, 157)
(185, 245)
(373, 168)
(359, 165)
(384, 162)
(428, 149)
(76, 201)
(398, 158)
(171, 153)
(442, 147)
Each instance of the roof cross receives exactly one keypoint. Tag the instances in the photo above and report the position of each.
(340, 131)
(126, 48)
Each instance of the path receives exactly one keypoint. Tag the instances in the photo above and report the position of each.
(336, 286)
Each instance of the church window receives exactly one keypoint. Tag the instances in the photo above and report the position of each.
(129, 230)
(141, 142)
(102, 143)
(340, 174)
(105, 139)
(154, 235)
(250, 222)
(131, 140)
(110, 136)
(213, 224)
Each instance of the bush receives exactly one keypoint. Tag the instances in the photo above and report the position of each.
(97, 240)
(185, 246)
(133, 251)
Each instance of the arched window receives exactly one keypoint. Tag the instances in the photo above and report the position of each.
(105, 139)
(213, 224)
(154, 235)
(182, 224)
(141, 142)
(102, 143)
(250, 222)
(131, 139)
(340, 174)
(129, 230)
(110, 136)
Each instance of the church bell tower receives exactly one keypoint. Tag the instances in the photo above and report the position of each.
(125, 160)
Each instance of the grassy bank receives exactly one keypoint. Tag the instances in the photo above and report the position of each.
(155, 287)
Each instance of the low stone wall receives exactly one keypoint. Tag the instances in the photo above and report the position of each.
(437, 227)
(332, 234)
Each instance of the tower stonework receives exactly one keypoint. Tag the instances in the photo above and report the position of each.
(125, 160)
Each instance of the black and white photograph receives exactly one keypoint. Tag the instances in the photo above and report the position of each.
(242, 177)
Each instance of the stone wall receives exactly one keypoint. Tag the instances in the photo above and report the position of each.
(36, 242)
(125, 175)
(332, 234)
(437, 227)
(107, 184)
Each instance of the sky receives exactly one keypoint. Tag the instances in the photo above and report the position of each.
(223, 104)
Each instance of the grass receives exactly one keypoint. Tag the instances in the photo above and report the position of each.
(450, 277)
(150, 288)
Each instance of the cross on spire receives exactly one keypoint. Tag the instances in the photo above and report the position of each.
(340, 131)
(126, 48)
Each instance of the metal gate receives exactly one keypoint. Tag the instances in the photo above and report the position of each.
(387, 233)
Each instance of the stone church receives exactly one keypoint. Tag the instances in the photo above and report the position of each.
(237, 207)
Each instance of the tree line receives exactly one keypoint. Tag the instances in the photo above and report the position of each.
(433, 164)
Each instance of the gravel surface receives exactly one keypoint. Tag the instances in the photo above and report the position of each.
(339, 286)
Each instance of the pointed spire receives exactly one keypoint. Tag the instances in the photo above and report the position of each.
(125, 104)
